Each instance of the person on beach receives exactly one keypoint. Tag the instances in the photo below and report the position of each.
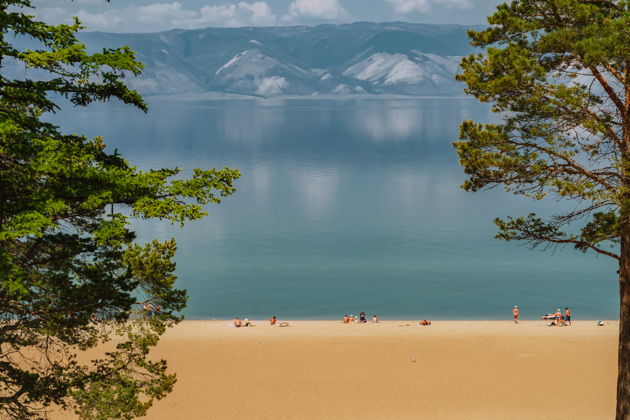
(237, 322)
(515, 313)
(567, 316)
(374, 319)
(425, 322)
(558, 317)
(362, 318)
(346, 319)
(247, 323)
(272, 320)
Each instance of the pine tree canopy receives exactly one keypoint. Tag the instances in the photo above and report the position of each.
(71, 274)
(559, 73)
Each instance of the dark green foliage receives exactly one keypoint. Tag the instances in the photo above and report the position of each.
(71, 276)
(558, 71)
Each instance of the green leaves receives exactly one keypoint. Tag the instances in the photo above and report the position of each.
(558, 73)
(71, 275)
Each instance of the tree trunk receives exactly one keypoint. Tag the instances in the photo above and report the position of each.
(623, 361)
(623, 378)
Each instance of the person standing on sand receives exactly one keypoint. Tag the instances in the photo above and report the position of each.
(515, 313)
(567, 316)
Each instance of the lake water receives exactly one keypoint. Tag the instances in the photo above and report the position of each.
(345, 206)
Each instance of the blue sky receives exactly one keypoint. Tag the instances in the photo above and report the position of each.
(156, 15)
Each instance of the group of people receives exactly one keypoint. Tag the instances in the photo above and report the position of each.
(151, 309)
(273, 321)
(557, 318)
(361, 319)
(244, 323)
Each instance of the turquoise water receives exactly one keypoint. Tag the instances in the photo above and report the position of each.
(345, 206)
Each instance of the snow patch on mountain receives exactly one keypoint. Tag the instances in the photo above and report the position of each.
(405, 71)
(230, 62)
(271, 86)
(427, 72)
(375, 67)
(342, 89)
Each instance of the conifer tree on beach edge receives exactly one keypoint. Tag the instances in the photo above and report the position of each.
(72, 276)
(558, 72)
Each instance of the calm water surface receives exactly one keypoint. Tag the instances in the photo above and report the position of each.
(345, 206)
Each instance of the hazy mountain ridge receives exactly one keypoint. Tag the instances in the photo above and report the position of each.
(363, 57)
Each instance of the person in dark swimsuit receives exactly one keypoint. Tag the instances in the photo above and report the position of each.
(362, 318)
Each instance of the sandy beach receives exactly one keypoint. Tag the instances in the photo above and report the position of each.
(328, 370)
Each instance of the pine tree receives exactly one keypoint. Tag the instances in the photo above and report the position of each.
(71, 275)
(558, 72)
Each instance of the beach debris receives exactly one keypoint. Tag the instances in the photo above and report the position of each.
(413, 359)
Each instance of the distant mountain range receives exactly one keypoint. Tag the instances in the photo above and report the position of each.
(358, 58)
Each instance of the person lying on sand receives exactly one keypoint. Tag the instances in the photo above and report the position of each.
(247, 323)
(425, 322)
(237, 322)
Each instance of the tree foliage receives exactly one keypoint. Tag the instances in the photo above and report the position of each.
(558, 74)
(71, 275)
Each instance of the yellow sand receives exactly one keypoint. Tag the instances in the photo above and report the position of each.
(328, 370)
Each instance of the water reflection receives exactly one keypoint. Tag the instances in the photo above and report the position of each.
(317, 188)
(389, 124)
(344, 205)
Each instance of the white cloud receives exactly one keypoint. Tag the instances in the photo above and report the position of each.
(457, 4)
(162, 16)
(323, 9)
(424, 6)
(409, 6)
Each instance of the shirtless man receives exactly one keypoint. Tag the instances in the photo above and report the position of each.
(346, 319)
(567, 316)
(237, 322)
(515, 313)
(272, 320)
